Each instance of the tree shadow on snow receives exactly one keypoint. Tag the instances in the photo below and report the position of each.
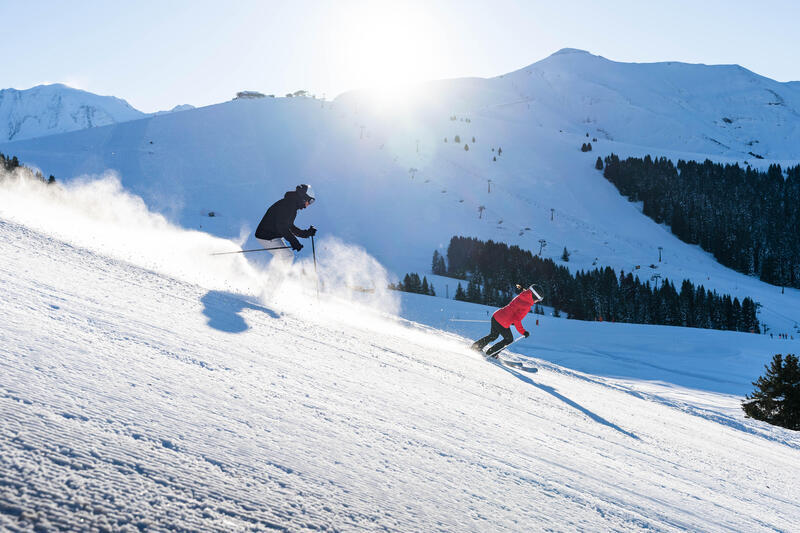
(550, 390)
(223, 310)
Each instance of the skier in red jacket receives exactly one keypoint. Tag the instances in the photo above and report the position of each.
(502, 319)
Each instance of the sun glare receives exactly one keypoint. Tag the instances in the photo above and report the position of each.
(390, 47)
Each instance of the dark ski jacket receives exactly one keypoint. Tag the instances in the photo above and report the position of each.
(514, 312)
(278, 221)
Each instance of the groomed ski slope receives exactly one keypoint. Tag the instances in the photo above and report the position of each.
(147, 390)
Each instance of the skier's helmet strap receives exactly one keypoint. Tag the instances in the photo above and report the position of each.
(306, 192)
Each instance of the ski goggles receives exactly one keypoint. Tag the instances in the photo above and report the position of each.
(533, 290)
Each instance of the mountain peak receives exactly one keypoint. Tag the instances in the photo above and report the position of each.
(48, 109)
(565, 51)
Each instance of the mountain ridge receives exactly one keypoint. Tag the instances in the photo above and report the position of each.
(395, 179)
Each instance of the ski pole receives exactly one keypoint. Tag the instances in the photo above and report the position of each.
(314, 253)
(465, 320)
(253, 250)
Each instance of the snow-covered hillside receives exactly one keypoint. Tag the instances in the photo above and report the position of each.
(387, 180)
(719, 110)
(51, 109)
(145, 385)
(715, 109)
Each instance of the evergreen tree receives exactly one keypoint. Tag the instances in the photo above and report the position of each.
(424, 287)
(565, 255)
(474, 290)
(776, 399)
(460, 294)
(466, 147)
(416, 284)
(599, 163)
(438, 266)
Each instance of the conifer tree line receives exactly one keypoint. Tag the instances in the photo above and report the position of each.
(491, 270)
(9, 164)
(412, 283)
(748, 219)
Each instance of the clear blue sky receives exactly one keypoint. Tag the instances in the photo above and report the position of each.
(158, 54)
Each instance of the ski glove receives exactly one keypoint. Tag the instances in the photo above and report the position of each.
(311, 231)
(297, 246)
(527, 334)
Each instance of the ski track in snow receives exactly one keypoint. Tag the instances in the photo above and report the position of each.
(135, 401)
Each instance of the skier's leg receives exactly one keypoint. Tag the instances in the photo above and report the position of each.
(279, 266)
(493, 334)
(483, 341)
(508, 338)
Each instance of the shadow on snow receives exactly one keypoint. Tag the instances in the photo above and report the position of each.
(550, 390)
(223, 310)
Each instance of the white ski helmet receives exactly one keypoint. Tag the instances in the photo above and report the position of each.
(533, 288)
(306, 192)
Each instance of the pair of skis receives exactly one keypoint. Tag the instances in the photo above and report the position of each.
(518, 365)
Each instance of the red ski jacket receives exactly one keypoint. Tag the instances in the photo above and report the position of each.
(514, 312)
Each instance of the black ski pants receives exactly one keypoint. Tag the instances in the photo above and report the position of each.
(497, 330)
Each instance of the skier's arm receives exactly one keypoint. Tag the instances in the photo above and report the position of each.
(304, 233)
(299, 232)
(518, 325)
(289, 236)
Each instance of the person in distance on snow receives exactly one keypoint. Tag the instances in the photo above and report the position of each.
(278, 224)
(502, 319)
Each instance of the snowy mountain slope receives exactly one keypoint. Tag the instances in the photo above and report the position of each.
(386, 179)
(716, 109)
(720, 110)
(144, 394)
(51, 109)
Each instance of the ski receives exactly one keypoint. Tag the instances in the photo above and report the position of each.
(517, 365)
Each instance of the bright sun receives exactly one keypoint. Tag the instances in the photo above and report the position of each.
(390, 46)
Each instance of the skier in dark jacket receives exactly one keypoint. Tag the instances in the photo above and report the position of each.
(502, 319)
(277, 225)
(278, 222)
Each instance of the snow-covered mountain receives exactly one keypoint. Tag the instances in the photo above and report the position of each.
(182, 107)
(51, 109)
(391, 177)
(146, 385)
(715, 109)
(723, 110)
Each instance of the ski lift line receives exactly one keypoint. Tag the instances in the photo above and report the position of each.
(781, 315)
(491, 213)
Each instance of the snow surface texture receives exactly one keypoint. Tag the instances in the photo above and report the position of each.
(50, 109)
(386, 180)
(143, 389)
